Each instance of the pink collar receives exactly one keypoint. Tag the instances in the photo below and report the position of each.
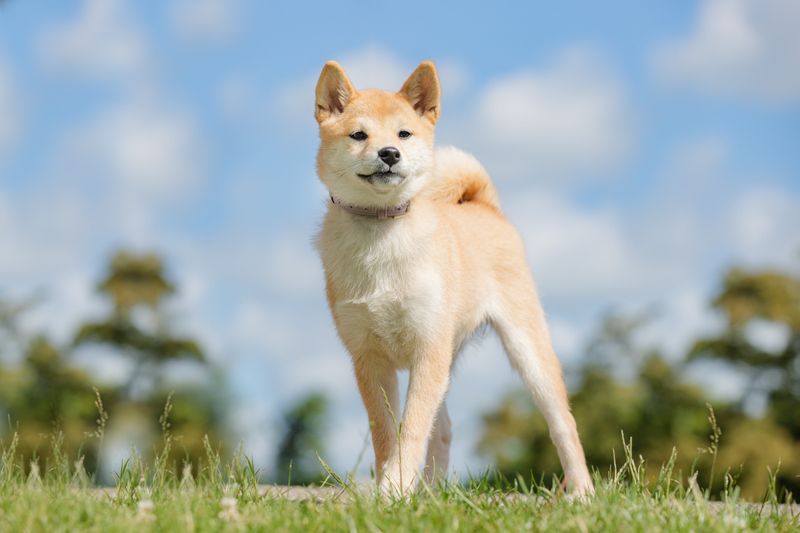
(381, 213)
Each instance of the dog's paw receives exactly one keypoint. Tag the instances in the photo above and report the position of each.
(580, 489)
(396, 483)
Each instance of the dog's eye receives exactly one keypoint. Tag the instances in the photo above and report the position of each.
(358, 136)
(404, 133)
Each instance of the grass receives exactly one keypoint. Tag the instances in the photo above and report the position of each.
(225, 496)
(53, 506)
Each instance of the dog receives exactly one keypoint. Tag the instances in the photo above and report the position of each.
(418, 256)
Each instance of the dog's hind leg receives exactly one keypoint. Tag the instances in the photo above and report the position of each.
(439, 446)
(523, 331)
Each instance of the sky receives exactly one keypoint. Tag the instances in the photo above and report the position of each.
(640, 148)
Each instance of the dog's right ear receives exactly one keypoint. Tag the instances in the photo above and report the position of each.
(334, 91)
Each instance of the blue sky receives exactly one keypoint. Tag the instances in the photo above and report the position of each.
(641, 148)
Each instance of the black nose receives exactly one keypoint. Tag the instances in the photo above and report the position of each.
(389, 155)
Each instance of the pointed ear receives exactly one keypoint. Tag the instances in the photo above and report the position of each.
(421, 89)
(334, 91)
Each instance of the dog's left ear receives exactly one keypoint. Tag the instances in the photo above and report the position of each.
(421, 89)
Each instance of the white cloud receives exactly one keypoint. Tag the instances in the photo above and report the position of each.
(101, 41)
(293, 266)
(454, 77)
(374, 67)
(41, 237)
(104, 185)
(11, 121)
(150, 149)
(104, 364)
(575, 253)
(559, 124)
(205, 20)
(44, 250)
(661, 250)
(768, 336)
(677, 320)
(262, 330)
(129, 162)
(747, 48)
(763, 222)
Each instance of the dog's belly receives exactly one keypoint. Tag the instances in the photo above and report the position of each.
(395, 319)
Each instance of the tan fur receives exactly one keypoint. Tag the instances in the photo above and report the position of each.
(461, 178)
(408, 293)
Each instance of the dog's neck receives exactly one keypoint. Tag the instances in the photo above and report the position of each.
(380, 213)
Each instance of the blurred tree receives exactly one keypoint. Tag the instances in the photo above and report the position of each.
(653, 405)
(11, 337)
(50, 396)
(136, 327)
(41, 394)
(769, 301)
(43, 391)
(297, 460)
(749, 300)
(137, 287)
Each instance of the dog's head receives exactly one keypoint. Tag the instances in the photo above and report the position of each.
(376, 147)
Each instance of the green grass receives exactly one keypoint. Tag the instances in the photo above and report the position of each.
(55, 507)
(225, 496)
(218, 495)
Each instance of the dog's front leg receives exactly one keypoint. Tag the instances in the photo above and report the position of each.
(427, 386)
(438, 456)
(377, 383)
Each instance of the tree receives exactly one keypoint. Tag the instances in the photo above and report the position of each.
(745, 300)
(11, 337)
(652, 405)
(52, 397)
(655, 406)
(297, 459)
(137, 288)
(44, 391)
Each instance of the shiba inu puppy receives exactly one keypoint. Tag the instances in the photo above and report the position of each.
(418, 256)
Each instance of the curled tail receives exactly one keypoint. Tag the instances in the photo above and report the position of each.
(460, 178)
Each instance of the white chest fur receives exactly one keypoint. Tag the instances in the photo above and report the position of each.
(388, 291)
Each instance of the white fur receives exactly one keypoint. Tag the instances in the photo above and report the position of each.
(390, 290)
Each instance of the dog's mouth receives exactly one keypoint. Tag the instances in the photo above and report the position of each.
(384, 176)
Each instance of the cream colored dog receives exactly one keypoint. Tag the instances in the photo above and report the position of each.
(418, 256)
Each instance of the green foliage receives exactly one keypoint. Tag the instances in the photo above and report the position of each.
(224, 496)
(46, 394)
(134, 280)
(125, 335)
(138, 283)
(302, 443)
(45, 391)
(624, 388)
(745, 299)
